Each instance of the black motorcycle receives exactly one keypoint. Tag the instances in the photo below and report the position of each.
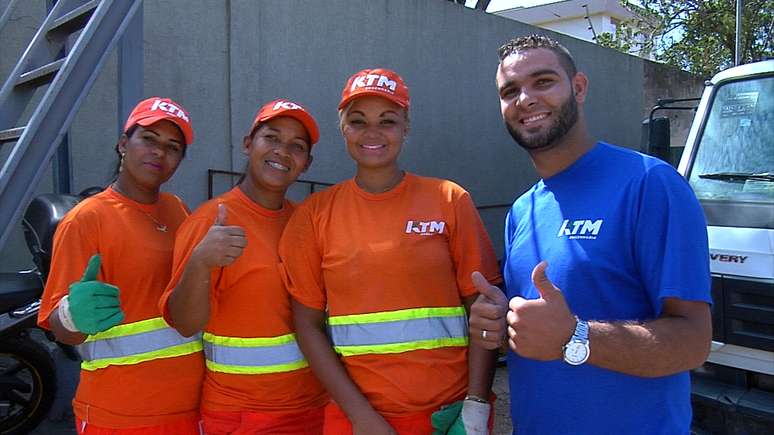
(27, 374)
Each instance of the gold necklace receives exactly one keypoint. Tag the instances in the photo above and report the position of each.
(159, 226)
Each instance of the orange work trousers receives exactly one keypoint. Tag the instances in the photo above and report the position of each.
(186, 426)
(306, 422)
(337, 423)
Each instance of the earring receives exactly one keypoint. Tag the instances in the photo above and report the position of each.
(121, 165)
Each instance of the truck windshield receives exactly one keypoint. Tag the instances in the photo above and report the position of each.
(735, 156)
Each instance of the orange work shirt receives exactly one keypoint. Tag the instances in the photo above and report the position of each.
(353, 252)
(247, 300)
(136, 258)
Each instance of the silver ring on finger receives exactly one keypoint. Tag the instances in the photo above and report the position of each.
(483, 334)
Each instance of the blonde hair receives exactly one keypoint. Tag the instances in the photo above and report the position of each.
(343, 115)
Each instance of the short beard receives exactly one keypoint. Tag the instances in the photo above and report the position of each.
(568, 116)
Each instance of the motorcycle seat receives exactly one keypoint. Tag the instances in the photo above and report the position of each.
(18, 289)
(40, 221)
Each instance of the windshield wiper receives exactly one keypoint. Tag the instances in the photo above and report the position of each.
(739, 176)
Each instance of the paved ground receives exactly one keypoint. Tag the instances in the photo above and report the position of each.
(502, 423)
(60, 418)
(50, 427)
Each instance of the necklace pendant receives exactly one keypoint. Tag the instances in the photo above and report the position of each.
(162, 228)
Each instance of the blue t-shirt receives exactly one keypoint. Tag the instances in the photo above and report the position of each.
(621, 231)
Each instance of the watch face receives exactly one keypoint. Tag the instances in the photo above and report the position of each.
(576, 352)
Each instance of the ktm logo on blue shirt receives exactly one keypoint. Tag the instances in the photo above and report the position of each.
(580, 229)
(425, 228)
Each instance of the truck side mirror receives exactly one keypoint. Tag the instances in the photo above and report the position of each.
(655, 138)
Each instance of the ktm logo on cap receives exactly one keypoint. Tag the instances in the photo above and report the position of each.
(287, 105)
(169, 108)
(367, 81)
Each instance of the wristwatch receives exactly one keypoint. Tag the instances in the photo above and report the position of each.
(577, 351)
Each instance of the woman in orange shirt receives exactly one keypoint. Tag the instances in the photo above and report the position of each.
(112, 258)
(383, 262)
(226, 282)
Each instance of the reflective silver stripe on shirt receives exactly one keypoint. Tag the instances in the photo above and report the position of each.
(252, 356)
(135, 344)
(400, 331)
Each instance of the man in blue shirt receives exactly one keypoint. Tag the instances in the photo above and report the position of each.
(602, 340)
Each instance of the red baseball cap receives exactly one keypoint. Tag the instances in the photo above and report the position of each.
(155, 109)
(381, 82)
(285, 107)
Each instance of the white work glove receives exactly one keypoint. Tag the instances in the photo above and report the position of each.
(466, 417)
(474, 416)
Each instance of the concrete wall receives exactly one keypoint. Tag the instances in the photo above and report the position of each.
(223, 59)
(663, 81)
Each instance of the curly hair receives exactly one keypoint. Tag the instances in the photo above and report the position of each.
(534, 41)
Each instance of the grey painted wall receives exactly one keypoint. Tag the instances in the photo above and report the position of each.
(14, 37)
(223, 59)
(664, 81)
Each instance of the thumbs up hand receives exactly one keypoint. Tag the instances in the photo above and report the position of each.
(222, 244)
(487, 314)
(94, 306)
(539, 328)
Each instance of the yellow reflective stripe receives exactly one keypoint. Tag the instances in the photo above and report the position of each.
(401, 347)
(169, 352)
(130, 329)
(249, 342)
(391, 316)
(255, 370)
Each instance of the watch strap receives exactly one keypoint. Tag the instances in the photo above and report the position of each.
(581, 331)
(580, 337)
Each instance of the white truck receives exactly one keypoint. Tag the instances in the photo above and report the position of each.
(729, 162)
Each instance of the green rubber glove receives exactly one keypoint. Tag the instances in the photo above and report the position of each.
(465, 417)
(444, 418)
(94, 305)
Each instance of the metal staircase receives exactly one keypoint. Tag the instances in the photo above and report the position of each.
(68, 75)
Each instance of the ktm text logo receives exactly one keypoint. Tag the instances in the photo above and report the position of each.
(287, 105)
(580, 229)
(170, 108)
(367, 81)
(425, 228)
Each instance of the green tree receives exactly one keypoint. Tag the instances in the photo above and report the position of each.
(695, 35)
